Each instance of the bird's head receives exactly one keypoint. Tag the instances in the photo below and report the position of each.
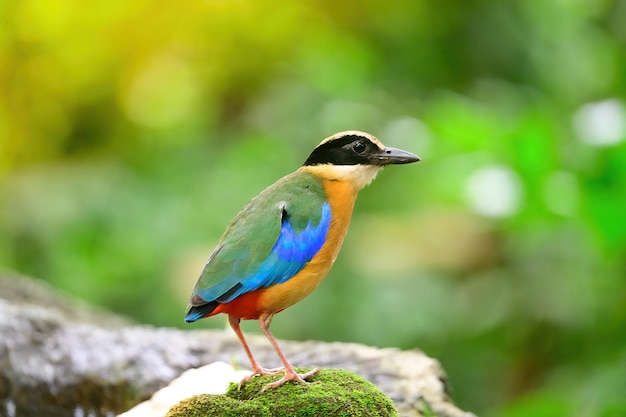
(353, 156)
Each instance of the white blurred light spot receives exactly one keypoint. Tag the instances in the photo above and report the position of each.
(601, 123)
(494, 191)
(561, 193)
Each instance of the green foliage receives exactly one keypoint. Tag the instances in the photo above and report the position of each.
(132, 132)
(332, 393)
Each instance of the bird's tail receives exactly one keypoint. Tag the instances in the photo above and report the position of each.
(197, 312)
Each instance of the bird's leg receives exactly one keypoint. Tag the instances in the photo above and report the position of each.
(256, 368)
(290, 375)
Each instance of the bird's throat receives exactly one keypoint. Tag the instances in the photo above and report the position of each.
(358, 176)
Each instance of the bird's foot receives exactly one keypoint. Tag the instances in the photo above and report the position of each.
(260, 371)
(291, 375)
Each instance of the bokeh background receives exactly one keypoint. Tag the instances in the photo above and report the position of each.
(131, 132)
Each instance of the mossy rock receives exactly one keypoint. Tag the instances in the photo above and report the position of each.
(337, 393)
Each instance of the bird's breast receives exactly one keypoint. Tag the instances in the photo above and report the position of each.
(341, 196)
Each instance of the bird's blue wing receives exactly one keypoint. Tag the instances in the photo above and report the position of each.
(291, 252)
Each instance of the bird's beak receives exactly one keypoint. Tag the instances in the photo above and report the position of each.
(390, 156)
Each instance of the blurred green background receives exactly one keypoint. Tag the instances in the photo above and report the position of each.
(132, 132)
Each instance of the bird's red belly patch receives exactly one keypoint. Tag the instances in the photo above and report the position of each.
(245, 306)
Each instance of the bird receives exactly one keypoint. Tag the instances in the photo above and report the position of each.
(283, 242)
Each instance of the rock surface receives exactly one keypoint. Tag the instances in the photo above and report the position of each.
(209, 379)
(59, 357)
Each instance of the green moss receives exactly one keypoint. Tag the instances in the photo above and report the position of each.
(217, 405)
(334, 393)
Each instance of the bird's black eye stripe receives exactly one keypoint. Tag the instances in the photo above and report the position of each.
(344, 150)
(359, 146)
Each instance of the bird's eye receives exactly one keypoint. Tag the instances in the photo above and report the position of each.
(359, 146)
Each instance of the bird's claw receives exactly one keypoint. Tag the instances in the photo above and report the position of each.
(290, 375)
(260, 371)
